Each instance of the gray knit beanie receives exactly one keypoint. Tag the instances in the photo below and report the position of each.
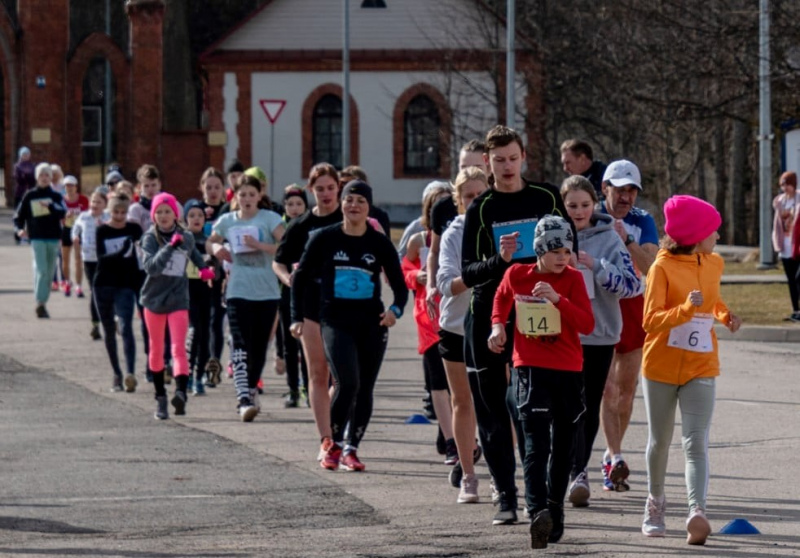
(552, 233)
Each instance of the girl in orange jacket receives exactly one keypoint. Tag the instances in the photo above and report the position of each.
(680, 361)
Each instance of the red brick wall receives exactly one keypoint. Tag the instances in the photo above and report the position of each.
(244, 129)
(185, 157)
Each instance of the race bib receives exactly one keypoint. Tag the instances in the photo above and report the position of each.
(191, 271)
(537, 317)
(69, 220)
(353, 283)
(40, 207)
(526, 229)
(423, 257)
(236, 237)
(694, 335)
(176, 266)
(207, 229)
(588, 278)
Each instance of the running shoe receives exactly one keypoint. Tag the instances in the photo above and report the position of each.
(557, 516)
(247, 411)
(162, 411)
(199, 388)
(495, 494)
(697, 527)
(469, 490)
(130, 383)
(260, 386)
(67, 289)
(579, 491)
(304, 396)
(324, 447)
(179, 402)
(54, 286)
(213, 372)
(619, 475)
(541, 527)
(95, 333)
(351, 462)
(280, 366)
(79, 292)
(450, 452)
(605, 468)
(41, 312)
(116, 387)
(332, 457)
(230, 370)
(507, 514)
(427, 407)
(654, 510)
(292, 399)
(456, 474)
(441, 443)
(148, 376)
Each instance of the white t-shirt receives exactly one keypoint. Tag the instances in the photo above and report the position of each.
(85, 230)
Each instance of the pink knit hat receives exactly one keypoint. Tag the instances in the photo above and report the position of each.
(164, 198)
(690, 220)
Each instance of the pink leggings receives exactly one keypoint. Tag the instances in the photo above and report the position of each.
(178, 326)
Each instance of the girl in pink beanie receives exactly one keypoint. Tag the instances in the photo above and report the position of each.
(680, 361)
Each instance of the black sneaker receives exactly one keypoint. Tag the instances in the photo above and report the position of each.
(456, 473)
(441, 443)
(179, 402)
(148, 375)
(162, 412)
(95, 333)
(116, 386)
(507, 514)
(41, 312)
(213, 372)
(541, 527)
(292, 399)
(557, 517)
(450, 452)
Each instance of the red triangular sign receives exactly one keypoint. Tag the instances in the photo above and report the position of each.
(272, 108)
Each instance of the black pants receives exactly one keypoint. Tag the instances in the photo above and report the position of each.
(292, 350)
(251, 323)
(90, 270)
(792, 269)
(355, 358)
(550, 406)
(197, 342)
(114, 302)
(434, 369)
(596, 364)
(217, 319)
(487, 381)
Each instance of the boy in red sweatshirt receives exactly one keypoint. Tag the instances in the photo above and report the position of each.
(552, 308)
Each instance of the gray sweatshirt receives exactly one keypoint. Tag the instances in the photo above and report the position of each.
(452, 309)
(166, 287)
(614, 278)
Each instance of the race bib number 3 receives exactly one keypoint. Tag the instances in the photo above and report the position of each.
(694, 335)
(236, 237)
(537, 317)
(526, 229)
(353, 283)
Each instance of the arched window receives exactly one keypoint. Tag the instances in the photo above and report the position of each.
(421, 126)
(327, 131)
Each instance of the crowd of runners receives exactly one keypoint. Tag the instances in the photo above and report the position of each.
(537, 308)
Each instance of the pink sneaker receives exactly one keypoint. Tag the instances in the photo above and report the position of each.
(697, 527)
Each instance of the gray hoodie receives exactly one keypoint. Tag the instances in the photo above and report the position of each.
(166, 287)
(452, 309)
(614, 278)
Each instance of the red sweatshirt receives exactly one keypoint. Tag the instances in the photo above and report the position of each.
(557, 352)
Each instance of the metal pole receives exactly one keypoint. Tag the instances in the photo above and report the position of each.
(107, 99)
(765, 142)
(271, 189)
(510, 61)
(346, 87)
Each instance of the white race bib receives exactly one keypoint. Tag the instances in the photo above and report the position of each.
(423, 257)
(588, 278)
(236, 237)
(694, 335)
(176, 266)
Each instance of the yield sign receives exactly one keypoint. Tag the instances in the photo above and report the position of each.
(272, 108)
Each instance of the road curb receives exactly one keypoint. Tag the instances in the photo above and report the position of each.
(770, 334)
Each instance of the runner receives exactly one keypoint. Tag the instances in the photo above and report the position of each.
(548, 361)
(347, 260)
(681, 358)
(469, 184)
(609, 275)
(354, 172)
(235, 170)
(577, 158)
(787, 208)
(24, 175)
(621, 185)
(38, 219)
(296, 204)
(115, 287)
(323, 181)
(414, 267)
(498, 229)
(84, 237)
(75, 203)
(252, 292)
(166, 249)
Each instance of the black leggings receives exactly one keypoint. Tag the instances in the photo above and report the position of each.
(596, 364)
(217, 319)
(90, 270)
(435, 376)
(792, 269)
(355, 358)
(251, 323)
(197, 341)
(292, 352)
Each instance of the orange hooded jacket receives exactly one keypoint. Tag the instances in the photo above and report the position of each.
(670, 280)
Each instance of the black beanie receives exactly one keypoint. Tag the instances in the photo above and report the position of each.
(358, 187)
(296, 192)
(236, 166)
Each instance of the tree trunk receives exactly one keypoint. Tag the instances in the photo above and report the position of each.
(741, 138)
(721, 180)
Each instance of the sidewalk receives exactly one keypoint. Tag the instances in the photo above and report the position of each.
(413, 508)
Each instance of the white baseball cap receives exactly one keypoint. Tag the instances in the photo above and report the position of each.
(69, 179)
(623, 173)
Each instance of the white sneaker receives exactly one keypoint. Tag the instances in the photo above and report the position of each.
(579, 491)
(469, 490)
(247, 410)
(697, 527)
(495, 494)
(255, 399)
(653, 524)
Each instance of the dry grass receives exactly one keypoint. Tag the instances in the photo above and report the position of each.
(759, 304)
(749, 268)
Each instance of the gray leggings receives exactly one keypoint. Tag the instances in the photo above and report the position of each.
(696, 399)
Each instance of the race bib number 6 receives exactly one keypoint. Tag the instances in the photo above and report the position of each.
(694, 335)
(537, 317)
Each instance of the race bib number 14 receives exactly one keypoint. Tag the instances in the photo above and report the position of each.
(537, 317)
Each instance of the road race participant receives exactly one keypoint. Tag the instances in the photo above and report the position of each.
(577, 158)
(787, 208)
(609, 275)
(84, 237)
(622, 183)
(498, 231)
(681, 359)
(347, 261)
(75, 202)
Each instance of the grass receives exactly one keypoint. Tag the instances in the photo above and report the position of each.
(759, 304)
(750, 268)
